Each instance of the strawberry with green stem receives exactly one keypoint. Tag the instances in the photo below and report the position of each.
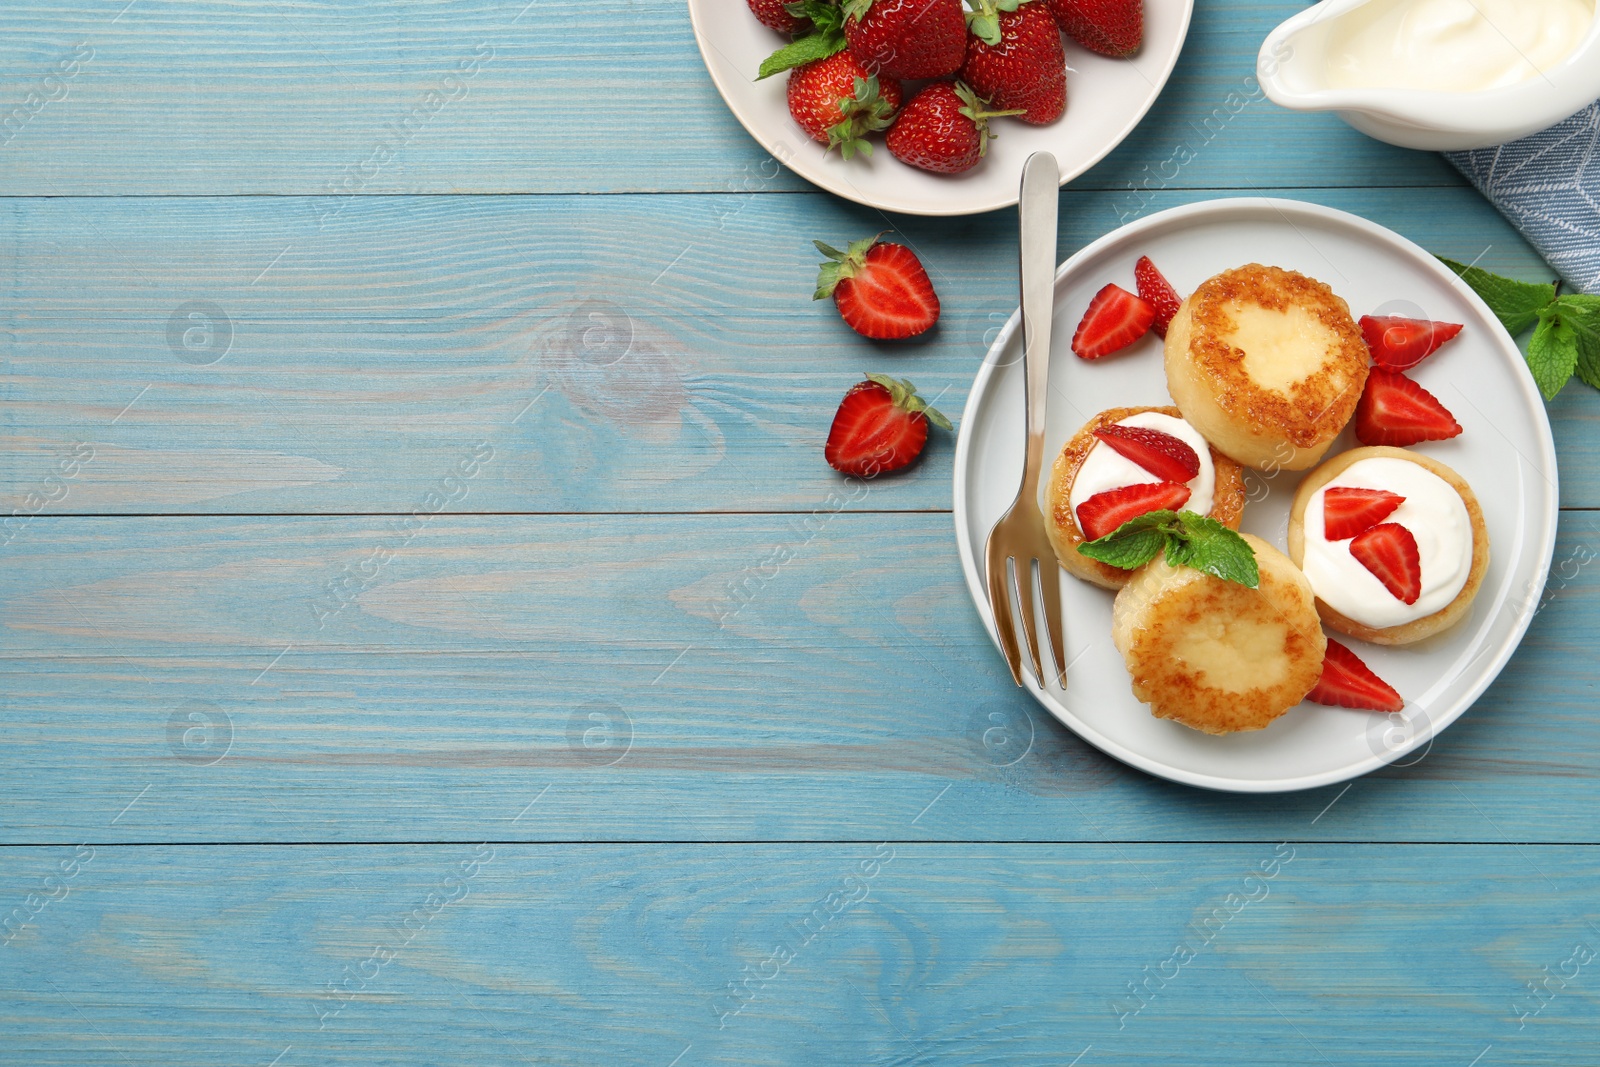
(944, 129)
(880, 288)
(837, 103)
(906, 38)
(1014, 58)
(779, 15)
(880, 427)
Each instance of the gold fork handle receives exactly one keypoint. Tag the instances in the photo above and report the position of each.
(1036, 210)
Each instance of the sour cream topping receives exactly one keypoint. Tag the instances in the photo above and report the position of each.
(1436, 516)
(1453, 45)
(1104, 468)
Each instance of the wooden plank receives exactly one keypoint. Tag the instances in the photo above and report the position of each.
(892, 952)
(354, 369)
(665, 678)
(331, 98)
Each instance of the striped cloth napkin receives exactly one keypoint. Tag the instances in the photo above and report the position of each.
(1548, 185)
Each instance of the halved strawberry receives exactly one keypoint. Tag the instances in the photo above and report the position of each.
(1389, 551)
(1346, 682)
(1394, 410)
(881, 426)
(1400, 344)
(880, 288)
(1347, 511)
(1155, 290)
(1162, 454)
(1104, 512)
(1115, 319)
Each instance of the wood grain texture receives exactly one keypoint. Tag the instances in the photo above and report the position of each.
(666, 678)
(220, 97)
(667, 345)
(897, 952)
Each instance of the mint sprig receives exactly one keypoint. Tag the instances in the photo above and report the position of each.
(825, 39)
(1566, 334)
(1190, 540)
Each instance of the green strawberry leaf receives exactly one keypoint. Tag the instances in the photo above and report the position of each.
(841, 265)
(1207, 545)
(904, 395)
(1552, 352)
(807, 49)
(1516, 304)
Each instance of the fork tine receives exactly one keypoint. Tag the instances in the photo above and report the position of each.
(1030, 625)
(1000, 605)
(1050, 593)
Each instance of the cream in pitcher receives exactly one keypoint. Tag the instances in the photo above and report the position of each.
(1453, 45)
(1445, 75)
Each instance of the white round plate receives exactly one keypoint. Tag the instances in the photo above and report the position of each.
(1505, 453)
(1106, 98)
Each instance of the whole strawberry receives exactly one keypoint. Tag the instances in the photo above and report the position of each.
(1110, 27)
(1014, 58)
(945, 129)
(880, 289)
(776, 15)
(906, 38)
(881, 426)
(838, 103)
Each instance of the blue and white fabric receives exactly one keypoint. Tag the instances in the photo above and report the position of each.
(1548, 185)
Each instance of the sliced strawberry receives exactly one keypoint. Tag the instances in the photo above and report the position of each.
(880, 288)
(1347, 511)
(1161, 454)
(1400, 344)
(1115, 319)
(1346, 682)
(1155, 290)
(881, 426)
(1389, 551)
(1104, 512)
(1394, 410)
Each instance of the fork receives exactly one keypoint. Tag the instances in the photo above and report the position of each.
(1019, 537)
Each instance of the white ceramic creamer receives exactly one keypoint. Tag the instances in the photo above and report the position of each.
(1437, 74)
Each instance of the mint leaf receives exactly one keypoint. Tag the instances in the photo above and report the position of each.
(1588, 332)
(1583, 303)
(1190, 540)
(1127, 550)
(1552, 352)
(808, 49)
(1207, 545)
(1516, 304)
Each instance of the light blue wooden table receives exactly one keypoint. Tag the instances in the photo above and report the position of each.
(384, 683)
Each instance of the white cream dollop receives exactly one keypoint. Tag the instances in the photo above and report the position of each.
(1436, 516)
(1453, 45)
(1104, 468)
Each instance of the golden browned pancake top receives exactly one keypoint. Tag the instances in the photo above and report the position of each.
(1306, 395)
